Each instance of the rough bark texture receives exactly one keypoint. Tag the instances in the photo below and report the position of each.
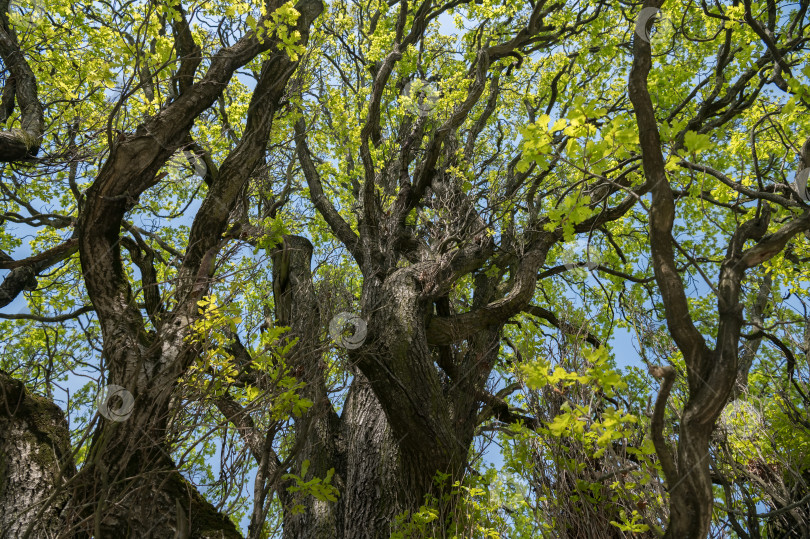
(711, 373)
(24, 142)
(374, 484)
(129, 485)
(296, 307)
(372, 473)
(385, 454)
(35, 462)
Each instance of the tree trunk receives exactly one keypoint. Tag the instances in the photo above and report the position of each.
(359, 445)
(35, 461)
(400, 425)
(691, 499)
(372, 496)
(378, 477)
(133, 484)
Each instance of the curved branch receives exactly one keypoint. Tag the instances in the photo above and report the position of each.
(336, 223)
(44, 259)
(188, 51)
(498, 408)
(736, 186)
(19, 144)
(749, 351)
(562, 325)
(772, 244)
(443, 330)
(49, 319)
(657, 422)
(23, 272)
(15, 282)
(662, 213)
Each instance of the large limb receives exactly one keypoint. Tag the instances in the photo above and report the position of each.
(450, 329)
(149, 365)
(317, 430)
(711, 374)
(23, 143)
(23, 272)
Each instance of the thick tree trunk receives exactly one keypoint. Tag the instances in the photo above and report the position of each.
(400, 424)
(129, 485)
(140, 493)
(368, 476)
(378, 478)
(690, 491)
(133, 484)
(35, 462)
(358, 445)
(372, 495)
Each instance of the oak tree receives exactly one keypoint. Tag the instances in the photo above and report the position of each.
(318, 261)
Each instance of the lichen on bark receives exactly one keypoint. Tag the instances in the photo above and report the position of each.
(35, 461)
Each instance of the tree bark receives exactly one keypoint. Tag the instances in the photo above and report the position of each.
(22, 143)
(359, 445)
(35, 462)
(400, 424)
(129, 484)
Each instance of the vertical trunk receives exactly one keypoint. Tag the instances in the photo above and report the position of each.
(400, 367)
(377, 477)
(374, 493)
(396, 429)
(691, 500)
(317, 431)
(35, 461)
